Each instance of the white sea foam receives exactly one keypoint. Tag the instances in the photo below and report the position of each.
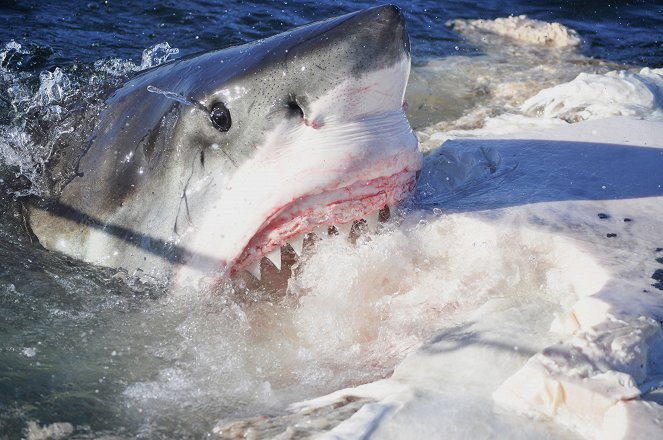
(520, 29)
(54, 431)
(355, 311)
(505, 91)
(18, 148)
(7, 53)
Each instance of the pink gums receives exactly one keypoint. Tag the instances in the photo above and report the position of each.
(339, 206)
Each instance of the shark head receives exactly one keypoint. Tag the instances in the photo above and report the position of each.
(214, 161)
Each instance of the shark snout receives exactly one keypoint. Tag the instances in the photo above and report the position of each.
(358, 42)
(389, 21)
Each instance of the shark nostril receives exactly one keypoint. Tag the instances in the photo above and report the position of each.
(295, 109)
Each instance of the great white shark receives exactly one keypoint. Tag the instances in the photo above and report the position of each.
(212, 162)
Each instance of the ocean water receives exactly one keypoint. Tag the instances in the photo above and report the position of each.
(105, 352)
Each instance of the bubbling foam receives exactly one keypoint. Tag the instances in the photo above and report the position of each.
(520, 29)
(351, 314)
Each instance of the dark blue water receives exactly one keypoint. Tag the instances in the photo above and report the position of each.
(68, 32)
(66, 311)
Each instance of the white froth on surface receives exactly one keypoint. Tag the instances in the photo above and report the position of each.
(520, 29)
(17, 148)
(54, 431)
(402, 285)
(461, 93)
(356, 311)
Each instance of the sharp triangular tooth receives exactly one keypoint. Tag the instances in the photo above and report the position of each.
(322, 231)
(254, 269)
(344, 229)
(297, 243)
(372, 221)
(275, 257)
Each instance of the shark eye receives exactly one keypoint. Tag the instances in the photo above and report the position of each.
(220, 116)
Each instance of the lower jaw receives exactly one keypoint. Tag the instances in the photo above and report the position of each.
(293, 224)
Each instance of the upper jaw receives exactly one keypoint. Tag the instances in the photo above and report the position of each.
(341, 207)
(315, 183)
(332, 176)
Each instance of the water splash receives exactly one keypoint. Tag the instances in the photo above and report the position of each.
(55, 113)
(151, 57)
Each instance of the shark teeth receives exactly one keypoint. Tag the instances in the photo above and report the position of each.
(344, 229)
(372, 221)
(297, 244)
(275, 257)
(254, 269)
(322, 232)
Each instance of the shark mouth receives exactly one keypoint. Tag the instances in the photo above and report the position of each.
(361, 201)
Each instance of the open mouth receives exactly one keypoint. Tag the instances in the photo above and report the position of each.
(361, 201)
